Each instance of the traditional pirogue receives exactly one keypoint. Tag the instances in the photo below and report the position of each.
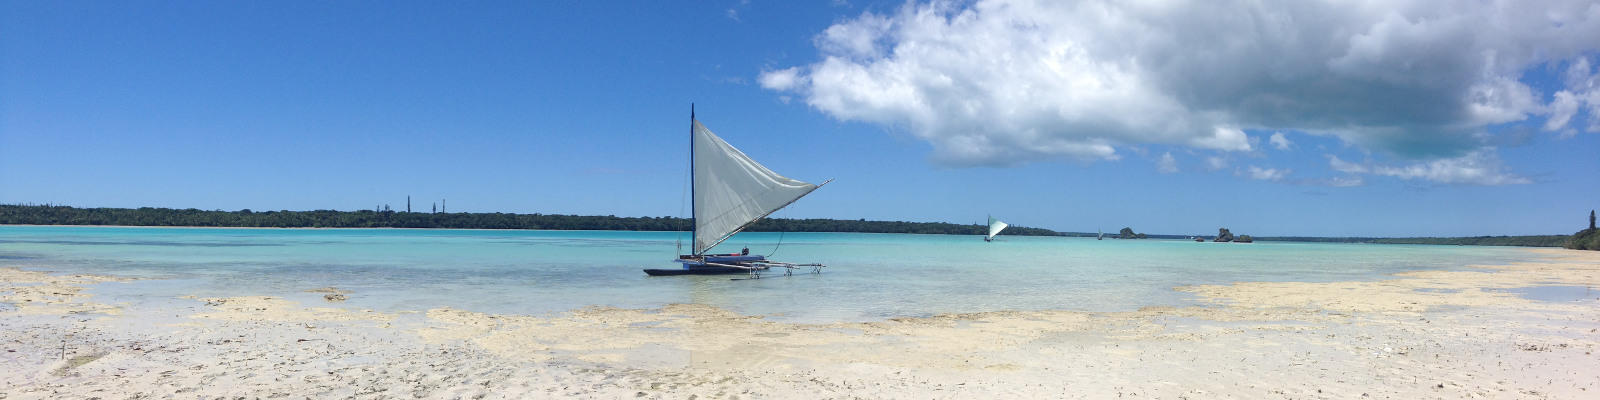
(730, 192)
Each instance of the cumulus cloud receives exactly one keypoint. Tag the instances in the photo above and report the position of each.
(1223, 138)
(1166, 164)
(1480, 167)
(863, 38)
(997, 82)
(1562, 108)
(783, 79)
(1582, 93)
(1282, 143)
(1267, 174)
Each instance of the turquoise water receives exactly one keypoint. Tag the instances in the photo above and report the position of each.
(869, 276)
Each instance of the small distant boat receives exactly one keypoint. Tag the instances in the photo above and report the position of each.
(731, 191)
(1099, 234)
(995, 226)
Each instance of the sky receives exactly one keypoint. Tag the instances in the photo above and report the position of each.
(1333, 118)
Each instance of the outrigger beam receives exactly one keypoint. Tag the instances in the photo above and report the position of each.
(788, 268)
(744, 267)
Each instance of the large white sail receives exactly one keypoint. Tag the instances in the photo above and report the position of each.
(995, 226)
(731, 190)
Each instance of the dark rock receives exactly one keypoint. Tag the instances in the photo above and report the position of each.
(1223, 235)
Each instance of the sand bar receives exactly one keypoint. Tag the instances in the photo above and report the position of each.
(1471, 333)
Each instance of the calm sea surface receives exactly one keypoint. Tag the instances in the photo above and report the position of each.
(869, 276)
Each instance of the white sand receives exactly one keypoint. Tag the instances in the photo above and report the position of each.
(1433, 334)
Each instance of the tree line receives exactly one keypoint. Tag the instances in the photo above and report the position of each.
(1587, 239)
(18, 214)
(149, 216)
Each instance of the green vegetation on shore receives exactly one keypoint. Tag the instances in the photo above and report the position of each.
(1525, 241)
(147, 216)
(1588, 239)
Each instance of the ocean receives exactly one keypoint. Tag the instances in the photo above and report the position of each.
(869, 277)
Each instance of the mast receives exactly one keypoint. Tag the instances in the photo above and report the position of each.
(692, 249)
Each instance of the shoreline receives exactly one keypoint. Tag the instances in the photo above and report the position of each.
(1076, 235)
(521, 229)
(1429, 333)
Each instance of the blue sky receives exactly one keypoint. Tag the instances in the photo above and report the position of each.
(1420, 122)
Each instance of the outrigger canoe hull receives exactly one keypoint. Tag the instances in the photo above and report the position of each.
(698, 270)
(696, 265)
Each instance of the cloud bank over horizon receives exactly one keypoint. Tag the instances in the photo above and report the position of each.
(1002, 82)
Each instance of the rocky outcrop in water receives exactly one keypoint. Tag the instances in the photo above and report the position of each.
(1223, 235)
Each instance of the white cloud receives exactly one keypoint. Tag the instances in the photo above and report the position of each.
(1480, 167)
(1004, 81)
(1215, 163)
(1562, 108)
(1499, 100)
(1577, 74)
(1167, 164)
(783, 79)
(1582, 94)
(1337, 181)
(1347, 181)
(1267, 174)
(862, 37)
(1345, 166)
(733, 12)
(1282, 143)
(1223, 138)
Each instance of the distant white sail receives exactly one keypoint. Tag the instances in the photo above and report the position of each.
(731, 191)
(995, 226)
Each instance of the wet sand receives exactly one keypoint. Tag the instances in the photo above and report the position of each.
(1429, 334)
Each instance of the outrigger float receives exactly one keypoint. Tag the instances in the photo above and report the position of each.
(732, 191)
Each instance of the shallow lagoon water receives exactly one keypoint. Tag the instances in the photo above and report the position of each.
(870, 276)
(1557, 293)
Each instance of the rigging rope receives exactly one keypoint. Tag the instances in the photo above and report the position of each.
(775, 247)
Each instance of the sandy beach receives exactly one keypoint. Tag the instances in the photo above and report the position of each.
(1472, 333)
